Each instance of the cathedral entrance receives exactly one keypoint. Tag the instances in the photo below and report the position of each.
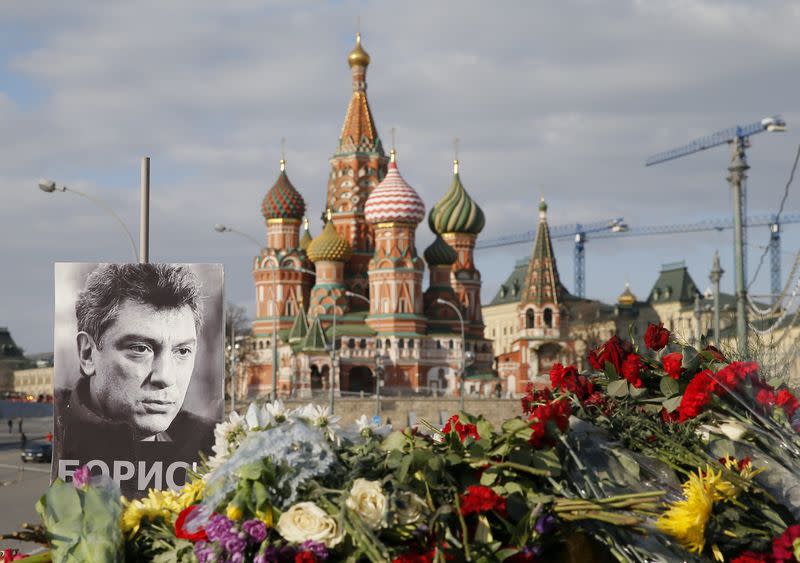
(316, 380)
(361, 379)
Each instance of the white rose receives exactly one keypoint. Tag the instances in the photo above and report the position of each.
(306, 521)
(368, 501)
(733, 430)
(410, 508)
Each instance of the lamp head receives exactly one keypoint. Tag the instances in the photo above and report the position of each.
(774, 124)
(219, 227)
(441, 301)
(48, 186)
(469, 358)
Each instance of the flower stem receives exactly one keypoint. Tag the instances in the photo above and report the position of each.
(464, 531)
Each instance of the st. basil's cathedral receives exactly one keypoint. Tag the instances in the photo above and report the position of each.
(362, 278)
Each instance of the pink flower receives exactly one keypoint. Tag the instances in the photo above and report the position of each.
(81, 477)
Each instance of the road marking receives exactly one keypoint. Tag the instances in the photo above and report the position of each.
(24, 468)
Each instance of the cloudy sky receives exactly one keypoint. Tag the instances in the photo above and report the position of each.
(562, 99)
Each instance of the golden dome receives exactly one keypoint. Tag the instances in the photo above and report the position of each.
(358, 56)
(329, 246)
(627, 297)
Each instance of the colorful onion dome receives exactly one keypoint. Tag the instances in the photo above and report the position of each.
(306, 239)
(283, 201)
(439, 253)
(456, 212)
(394, 200)
(329, 246)
(358, 56)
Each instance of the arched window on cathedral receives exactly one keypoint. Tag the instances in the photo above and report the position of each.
(438, 344)
(400, 343)
(548, 317)
(362, 343)
(529, 318)
(410, 343)
(378, 343)
(351, 343)
(388, 343)
(451, 344)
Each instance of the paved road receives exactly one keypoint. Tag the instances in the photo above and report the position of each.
(21, 484)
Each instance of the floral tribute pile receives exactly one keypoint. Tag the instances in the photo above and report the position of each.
(668, 453)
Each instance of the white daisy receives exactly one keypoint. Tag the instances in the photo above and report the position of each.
(277, 411)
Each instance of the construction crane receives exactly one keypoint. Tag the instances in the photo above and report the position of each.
(576, 231)
(738, 136)
(602, 230)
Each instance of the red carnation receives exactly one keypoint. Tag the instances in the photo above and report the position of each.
(632, 369)
(729, 377)
(479, 499)
(788, 402)
(672, 364)
(612, 352)
(413, 557)
(556, 412)
(766, 397)
(558, 372)
(696, 396)
(533, 397)
(668, 416)
(305, 557)
(783, 545)
(567, 379)
(656, 336)
(180, 526)
(751, 557)
(463, 430)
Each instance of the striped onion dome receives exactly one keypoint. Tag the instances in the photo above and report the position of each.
(283, 201)
(394, 200)
(329, 246)
(456, 212)
(439, 253)
(306, 239)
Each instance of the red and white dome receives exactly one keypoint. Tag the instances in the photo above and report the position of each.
(394, 201)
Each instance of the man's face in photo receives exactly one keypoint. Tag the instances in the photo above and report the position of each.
(141, 371)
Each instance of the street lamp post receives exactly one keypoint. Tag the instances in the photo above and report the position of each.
(332, 378)
(715, 276)
(463, 352)
(220, 228)
(49, 186)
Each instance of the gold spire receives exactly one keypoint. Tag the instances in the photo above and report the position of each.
(358, 56)
(328, 214)
(283, 154)
(392, 155)
(455, 155)
(283, 165)
(305, 223)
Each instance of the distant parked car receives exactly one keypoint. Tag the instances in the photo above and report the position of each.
(38, 451)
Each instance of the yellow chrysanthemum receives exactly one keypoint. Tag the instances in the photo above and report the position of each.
(686, 519)
(165, 505)
(265, 516)
(191, 493)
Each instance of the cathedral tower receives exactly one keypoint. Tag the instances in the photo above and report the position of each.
(539, 309)
(357, 167)
(394, 209)
(459, 220)
(282, 288)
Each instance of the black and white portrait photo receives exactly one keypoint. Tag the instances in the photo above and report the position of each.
(139, 374)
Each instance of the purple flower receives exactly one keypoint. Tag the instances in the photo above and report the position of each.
(317, 548)
(205, 552)
(81, 477)
(234, 543)
(219, 527)
(256, 529)
(545, 524)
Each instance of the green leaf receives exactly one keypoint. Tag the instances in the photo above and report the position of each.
(402, 472)
(627, 461)
(691, 359)
(514, 425)
(394, 441)
(669, 386)
(618, 388)
(610, 371)
(673, 403)
(251, 471)
(488, 477)
(548, 460)
(637, 392)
